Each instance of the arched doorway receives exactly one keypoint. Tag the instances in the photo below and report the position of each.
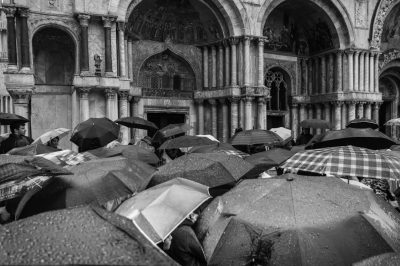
(278, 81)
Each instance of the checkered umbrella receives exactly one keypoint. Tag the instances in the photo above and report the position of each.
(346, 161)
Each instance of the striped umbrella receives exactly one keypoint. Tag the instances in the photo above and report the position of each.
(346, 161)
(256, 136)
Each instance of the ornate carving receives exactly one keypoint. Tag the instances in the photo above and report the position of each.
(261, 100)
(389, 56)
(9, 11)
(290, 67)
(21, 96)
(135, 100)
(199, 101)
(149, 92)
(234, 41)
(379, 21)
(84, 20)
(97, 64)
(110, 93)
(248, 99)
(84, 92)
(107, 21)
(234, 100)
(213, 102)
(121, 25)
(361, 13)
(123, 95)
(23, 12)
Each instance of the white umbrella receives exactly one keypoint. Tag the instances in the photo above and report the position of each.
(46, 137)
(393, 122)
(282, 132)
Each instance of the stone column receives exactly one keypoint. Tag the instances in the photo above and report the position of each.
(124, 112)
(234, 114)
(356, 70)
(135, 112)
(107, 21)
(367, 110)
(261, 62)
(234, 74)
(344, 115)
(205, 67)
(84, 103)
(227, 63)
(242, 114)
(361, 74)
(317, 80)
(213, 67)
(339, 71)
(225, 118)
(360, 109)
(111, 94)
(345, 72)
(327, 112)
(249, 113)
(130, 59)
(305, 73)
(122, 63)
(376, 72)
(302, 112)
(310, 77)
(350, 62)
(295, 120)
(213, 104)
(84, 56)
(318, 111)
(371, 72)
(11, 38)
(310, 111)
(200, 116)
(330, 73)
(352, 110)
(261, 113)
(25, 60)
(246, 62)
(220, 66)
(21, 101)
(338, 122)
(323, 74)
(366, 69)
(375, 114)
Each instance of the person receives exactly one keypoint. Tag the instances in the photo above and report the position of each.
(16, 139)
(185, 247)
(304, 137)
(53, 142)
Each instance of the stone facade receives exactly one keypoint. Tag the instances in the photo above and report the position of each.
(220, 65)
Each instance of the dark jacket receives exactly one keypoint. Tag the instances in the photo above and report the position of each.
(14, 141)
(185, 247)
(303, 139)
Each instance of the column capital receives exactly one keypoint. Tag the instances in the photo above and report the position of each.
(352, 102)
(337, 103)
(262, 40)
(303, 105)
(222, 100)
(107, 21)
(123, 95)
(121, 25)
(294, 105)
(349, 52)
(84, 92)
(110, 93)
(84, 19)
(361, 103)
(261, 100)
(339, 52)
(23, 11)
(247, 38)
(234, 41)
(377, 105)
(213, 102)
(226, 43)
(249, 99)
(234, 100)
(9, 10)
(135, 99)
(21, 96)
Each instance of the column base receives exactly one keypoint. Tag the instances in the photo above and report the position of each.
(25, 70)
(12, 68)
(109, 74)
(85, 73)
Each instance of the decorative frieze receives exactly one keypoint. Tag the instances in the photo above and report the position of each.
(381, 14)
(388, 57)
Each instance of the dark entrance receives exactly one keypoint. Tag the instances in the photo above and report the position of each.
(275, 121)
(163, 119)
(384, 117)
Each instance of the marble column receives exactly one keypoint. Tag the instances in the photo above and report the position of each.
(25, 53)
(303, 112)
(213, 67)
(233, 42)
(344, 116)
(310, 111)
(360, 110)
(213, 104)
(367, 110)
(225, 118)
(317, 80)
(234, 114)
(351, 111)
(111, 98)
(350, 62)
(205, 67)
(261, 116)
(246, 61)
(376, 72)
(84, 56)
(200, 116)
(375, 114)
(356, 70)
(345, 72)
(135, 112)
(331, 73)
(227, 63)
(249, 113)
(327, 112)
(305, 73)
(323, 74)
(295, 120)
(371, 72)
(21, 101)
(239, 52)
(220, 81)
(84, 103)
(310, 77)
(242, 114)
(366, 70)
(318, 111)
(261, 62)
(11, 38)
(107, 23)
(339, 73)
(130, 58)
(361, 74)
(337, 112)
(124, 112)
(122, 63)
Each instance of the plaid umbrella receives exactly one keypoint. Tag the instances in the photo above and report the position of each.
(346, 161)
(363, 123)
(256, 136)
(136, 122)
(8, 119)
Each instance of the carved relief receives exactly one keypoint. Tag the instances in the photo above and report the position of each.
(361, 13)
(391, 29)
(388, 57)
(379, 21)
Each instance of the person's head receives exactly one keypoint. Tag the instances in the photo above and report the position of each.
(53, 142)
(166, 245)
(18, 129)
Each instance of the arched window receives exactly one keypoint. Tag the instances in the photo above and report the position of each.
(275, 81)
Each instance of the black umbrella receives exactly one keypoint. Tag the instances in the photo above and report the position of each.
(136, 122)
(256, 136)
(94, 133)
(360, 137)
(8, 119)
(170, 131)
(186, 141)
(363, 123)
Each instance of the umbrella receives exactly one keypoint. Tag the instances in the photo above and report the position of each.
(186, 141)
(256, 136)
(8, 119)
(95, 132)
(77, 236)
(284, 133)
(346, 161)
(32, 149)
(46, 137)
(218, 147)
(96, 181)
(136, 122)
(361, 137)
(159, 210)
(315, 123)
(387, 259)
(266, 160)
(307, 221)
(171, 130)
(210, 169)
(363, 123)
(393, 122)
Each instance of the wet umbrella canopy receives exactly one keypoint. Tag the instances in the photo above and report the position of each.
(136, 122)
(307, 221)
(186, 141)
(210, 169)
(256, 136)
(363, 123)
(8, 119)
(77, 236)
